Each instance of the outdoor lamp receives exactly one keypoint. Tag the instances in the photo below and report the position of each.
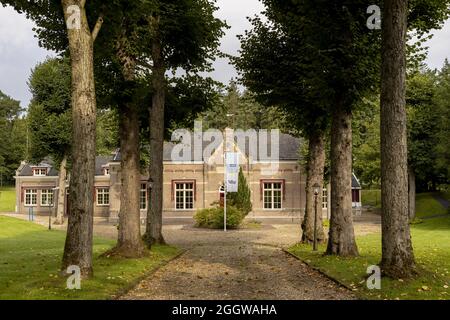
(316, 187)
(150, 184)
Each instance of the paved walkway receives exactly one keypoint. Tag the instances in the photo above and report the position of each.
(244, 264)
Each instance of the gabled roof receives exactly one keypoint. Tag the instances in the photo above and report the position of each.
(289, 149)
(355, 182)
(25, 169)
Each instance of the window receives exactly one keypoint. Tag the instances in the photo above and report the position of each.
(102, 196)
(143, 197)
(39, 172)
(106, 171)
(184, 196)
(47, 197)
(324, 199)
(272, 195)
(31, 197)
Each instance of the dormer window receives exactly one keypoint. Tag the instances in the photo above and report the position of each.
(39, 172)
(106, 171)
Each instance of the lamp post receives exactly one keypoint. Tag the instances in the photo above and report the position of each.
(316, 188)
(150, 188)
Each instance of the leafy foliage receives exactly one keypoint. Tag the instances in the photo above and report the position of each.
(49, 113)
(12, 136)
(242, 198)
(213, 218)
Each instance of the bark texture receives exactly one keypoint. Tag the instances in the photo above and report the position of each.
(61, 198)
(129, 243)
(341, 239)
(153, 232)
(412, 193)
(78, 245)
(397, 252)
(315, 171)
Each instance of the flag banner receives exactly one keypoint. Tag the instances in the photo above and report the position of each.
(232, 162)
(232, 181)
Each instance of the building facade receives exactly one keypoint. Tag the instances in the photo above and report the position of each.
(188, 185)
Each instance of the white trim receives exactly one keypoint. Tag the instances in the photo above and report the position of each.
(272, 190)
(31, 197)
(97, 193)
(184, 191)
(47, 194)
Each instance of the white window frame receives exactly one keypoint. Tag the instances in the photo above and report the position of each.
(106, 171)
(101, 194)
(48, 193)
(184, 190)
(143, 199)
(42, 172)
(324, 199)
(272, 190)
(31, 193)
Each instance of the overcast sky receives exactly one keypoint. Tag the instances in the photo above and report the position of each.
(19, 51)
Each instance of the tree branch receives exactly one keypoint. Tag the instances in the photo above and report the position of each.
(98, 26)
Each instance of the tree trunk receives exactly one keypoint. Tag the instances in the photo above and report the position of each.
(397, 253)
(411, 194)
(78, 245)
(61, 192)
(341, 239)
(129, 243)
(316, 164)
(154, 212)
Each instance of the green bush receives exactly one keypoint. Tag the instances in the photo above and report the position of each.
(242, 198)
(213, 218)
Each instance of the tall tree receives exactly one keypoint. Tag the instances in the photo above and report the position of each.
(13, 137)
(272, 66)
(397, 254)
(68, 26)
(49, 119)
(185, 35)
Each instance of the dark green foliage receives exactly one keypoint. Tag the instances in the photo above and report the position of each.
(12, 138)
(213, 218)
(246, 112)
(49, 114)
(242, 198)
(423, 116)
(442, 100)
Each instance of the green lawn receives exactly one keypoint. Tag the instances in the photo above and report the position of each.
(30, 257)
(427, 206)
(371, 198)
(7, 199)
(431, 241)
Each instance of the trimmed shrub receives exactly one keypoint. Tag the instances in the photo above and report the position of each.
(242, 198)
(212, 218)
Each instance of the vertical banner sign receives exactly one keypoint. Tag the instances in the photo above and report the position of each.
(232, 171)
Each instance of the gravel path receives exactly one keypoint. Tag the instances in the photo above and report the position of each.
(244, 264)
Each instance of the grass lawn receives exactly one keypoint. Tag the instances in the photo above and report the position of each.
(371, 198)
(7, 199)
(431, 241)
(427, 206)
(30, 258)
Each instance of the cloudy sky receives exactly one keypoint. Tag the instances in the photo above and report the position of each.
(19, 51)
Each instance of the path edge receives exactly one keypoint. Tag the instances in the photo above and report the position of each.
(339, 283)
(130, 286)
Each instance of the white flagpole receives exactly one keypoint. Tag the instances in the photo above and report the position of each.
(225, 183)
